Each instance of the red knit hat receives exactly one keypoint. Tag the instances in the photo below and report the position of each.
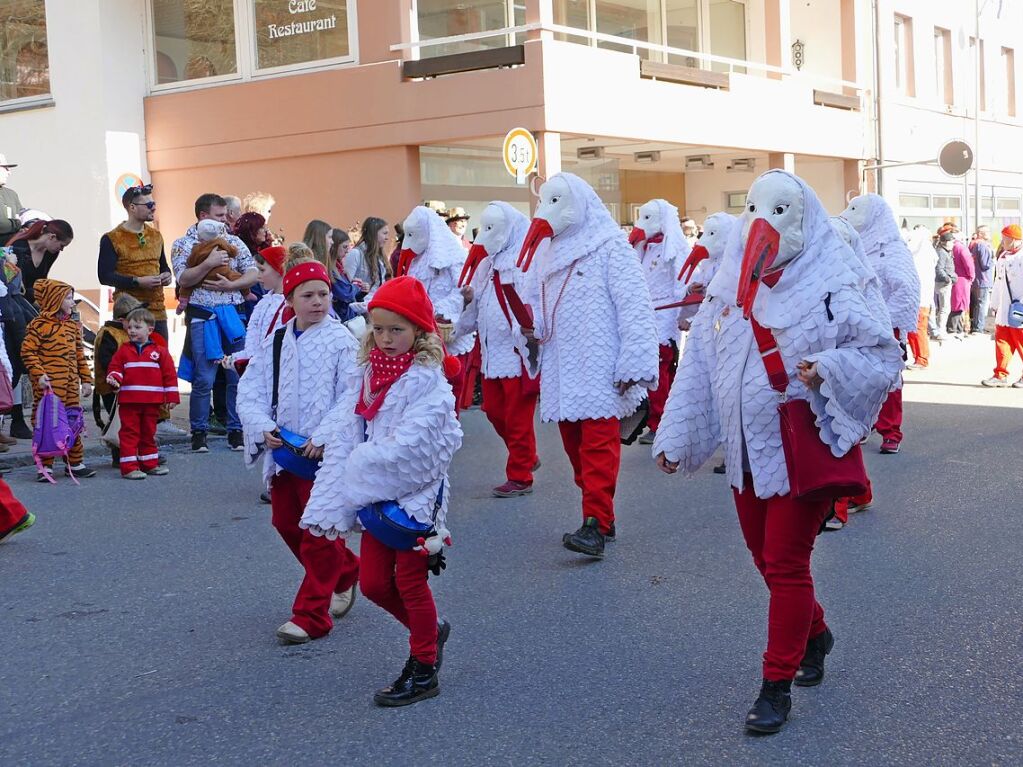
(1013, 232)
(275, 257)
(408, 297)
(305, 272)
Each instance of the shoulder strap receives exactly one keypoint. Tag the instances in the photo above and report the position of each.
(278, 344)
(1008, 282)
(501, 300)
(773, 363)
(273, 320)
(439, 502)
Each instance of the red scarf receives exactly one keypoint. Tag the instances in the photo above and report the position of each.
(382, 372)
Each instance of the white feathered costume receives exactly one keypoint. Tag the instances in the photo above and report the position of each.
(889, 257)
(707, 256)
(594, 316)
(662, 249)
(436, 257)
(816, 312)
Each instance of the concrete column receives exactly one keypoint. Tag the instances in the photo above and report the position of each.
(778, 34)
(540, 11)
(851, 174)
(782, 161)
(382, 25)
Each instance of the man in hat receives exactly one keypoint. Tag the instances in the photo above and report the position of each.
(458, 220)
(9, 202)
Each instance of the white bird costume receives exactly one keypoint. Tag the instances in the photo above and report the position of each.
(594, 323)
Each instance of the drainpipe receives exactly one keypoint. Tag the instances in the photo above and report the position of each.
(877, 95)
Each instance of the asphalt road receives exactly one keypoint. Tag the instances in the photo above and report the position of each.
(138, 623)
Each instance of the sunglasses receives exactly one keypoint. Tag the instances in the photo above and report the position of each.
(151, 204)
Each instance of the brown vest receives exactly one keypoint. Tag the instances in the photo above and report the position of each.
(135, 260)
(120, 336)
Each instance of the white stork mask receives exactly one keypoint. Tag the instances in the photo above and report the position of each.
(710, 245)
(660, 217)
(426, 231)
(872, 217)
(502, 229)
(573, 217)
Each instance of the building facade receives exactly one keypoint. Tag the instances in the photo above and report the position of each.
(347, 108)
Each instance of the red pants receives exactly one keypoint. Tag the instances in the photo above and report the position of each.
(1007, 342)
(472, 363)
(137, 437)
(510, 405)
(329, 565)
(665, 375)
(889, 420)
(595, 450)
(397, 581)
(918, 341)
(780, 534)
(842, 504)
(11, 510)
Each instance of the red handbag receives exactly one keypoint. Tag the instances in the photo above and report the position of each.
(815, 474)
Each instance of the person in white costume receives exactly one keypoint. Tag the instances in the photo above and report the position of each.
(925, 259)
(394, 441)
(889, 257)
(662, 249)
(268, 315)
(594, 324)
(831, 353)
(509, 394)
(703, 261)
(315, 357)
(1005, 303)
(434, 255)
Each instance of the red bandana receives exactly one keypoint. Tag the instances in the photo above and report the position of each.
(382, 372)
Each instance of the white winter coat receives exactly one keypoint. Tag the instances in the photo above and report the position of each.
(1009, 267)
(602, 328)
(317, 369)
(402, 455)
(270, 309)
(817, 313)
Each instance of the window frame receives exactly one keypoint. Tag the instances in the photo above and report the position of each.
(905, 63)
(246, 52)
(42, 99)
(944, 79)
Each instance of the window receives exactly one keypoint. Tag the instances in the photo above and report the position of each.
(300, 31)
(195, 39)
(447, 18)
(24, 58)
(914, 201)
(904, 83)
(632, 20)
(973, 71)
(1009, 67)
(1008, 203)
(735, 202)
(947, 201)
(943, 66)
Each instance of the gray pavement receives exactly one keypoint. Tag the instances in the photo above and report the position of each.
(138, 622)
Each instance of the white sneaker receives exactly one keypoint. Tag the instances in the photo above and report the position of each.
(833, 524)
(291, 633)
(167, 429)
(341, 603)
(995, 381)
(855, 507)
(1018, 384)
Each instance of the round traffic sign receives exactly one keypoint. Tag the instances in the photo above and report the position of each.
(520, 153)
(955, 158)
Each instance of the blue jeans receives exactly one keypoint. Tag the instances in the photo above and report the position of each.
(202, 384)
(978, 308)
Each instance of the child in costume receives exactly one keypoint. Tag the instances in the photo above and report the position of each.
(143, 374)
(393, 442)
(211, 236)
(54, 355)
(269, 312)
(300, 373)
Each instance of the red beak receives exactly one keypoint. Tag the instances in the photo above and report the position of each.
(405, 261)
(472, 262)
(539, 230)
(636, 236)
(762, 244)
(696, 255)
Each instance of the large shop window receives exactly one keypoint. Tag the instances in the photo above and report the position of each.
(24, 60)
(214, 40)
(450, 18)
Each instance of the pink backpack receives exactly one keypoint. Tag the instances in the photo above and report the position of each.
(56, 431)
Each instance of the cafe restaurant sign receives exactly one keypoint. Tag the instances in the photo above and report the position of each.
(303, 25)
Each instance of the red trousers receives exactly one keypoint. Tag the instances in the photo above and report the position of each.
(11, 511)
(1008, 341)
(137, 437)
(668, 364)
(472, 363)
(397, 581)
(329, 565)
(510, 405)
(595, 450)
(918, 341)
(780, 533)
(889, 420)
(842, 504)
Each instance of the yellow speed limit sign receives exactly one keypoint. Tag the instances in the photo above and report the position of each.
(520, 154)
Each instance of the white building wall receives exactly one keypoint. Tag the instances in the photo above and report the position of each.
(71, 154)
(816, 24)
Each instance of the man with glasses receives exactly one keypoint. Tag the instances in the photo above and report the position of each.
(132, 258)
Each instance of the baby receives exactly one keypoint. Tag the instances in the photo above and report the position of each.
(212, 236)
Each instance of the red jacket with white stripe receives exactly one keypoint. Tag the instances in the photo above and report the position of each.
(146, 376)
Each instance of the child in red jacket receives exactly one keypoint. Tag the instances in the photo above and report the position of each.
(143, 373)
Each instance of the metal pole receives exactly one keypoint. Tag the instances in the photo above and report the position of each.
(878, 177)
(976, 120)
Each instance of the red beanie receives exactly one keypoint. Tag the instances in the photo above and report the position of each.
(275, 258)
(305, 272)
(1013, 232)
(408, 297)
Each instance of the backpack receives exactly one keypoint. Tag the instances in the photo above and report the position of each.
(56, 431)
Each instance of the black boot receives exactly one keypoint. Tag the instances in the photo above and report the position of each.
(586, 540)
(418, 681)
(771, 708)
(443, 632)
(811, 668)
(19, 429)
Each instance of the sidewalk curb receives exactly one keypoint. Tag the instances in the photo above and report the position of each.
(93, 449)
